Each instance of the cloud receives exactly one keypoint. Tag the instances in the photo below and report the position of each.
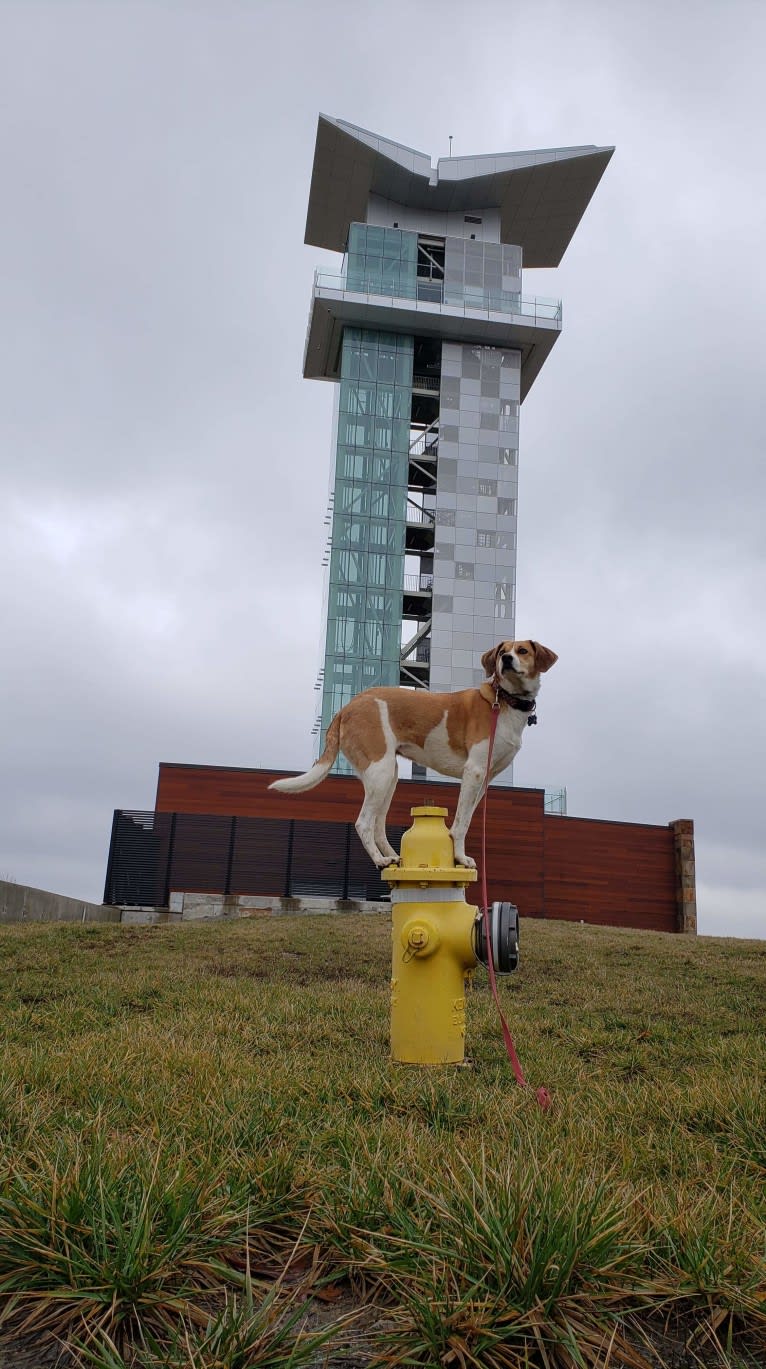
(724, 910)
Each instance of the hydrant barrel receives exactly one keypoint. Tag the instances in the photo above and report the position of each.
(432, 944)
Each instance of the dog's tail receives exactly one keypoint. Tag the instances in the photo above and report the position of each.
(320, 768)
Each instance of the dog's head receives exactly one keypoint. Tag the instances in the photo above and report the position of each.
(518, 665)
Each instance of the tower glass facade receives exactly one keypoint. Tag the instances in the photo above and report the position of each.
(382, 261)
(364, 606)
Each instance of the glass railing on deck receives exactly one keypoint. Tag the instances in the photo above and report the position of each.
(466, 298)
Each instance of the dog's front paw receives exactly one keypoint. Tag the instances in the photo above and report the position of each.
(467, 861)
(385, 861)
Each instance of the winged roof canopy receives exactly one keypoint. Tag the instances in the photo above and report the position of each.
(542, 195)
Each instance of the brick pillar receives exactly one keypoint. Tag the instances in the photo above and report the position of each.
(686, 888)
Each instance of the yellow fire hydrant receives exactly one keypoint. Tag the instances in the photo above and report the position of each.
(433, 944)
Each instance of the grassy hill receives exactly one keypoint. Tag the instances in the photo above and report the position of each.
(208, 1159)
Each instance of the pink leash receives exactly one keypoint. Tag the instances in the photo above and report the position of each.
(542, 1095)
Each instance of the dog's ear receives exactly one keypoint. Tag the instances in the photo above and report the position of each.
(489, 660)
(544, 657)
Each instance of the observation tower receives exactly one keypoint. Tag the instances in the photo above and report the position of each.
(433, 344)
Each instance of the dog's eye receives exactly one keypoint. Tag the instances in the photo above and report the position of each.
(521, 651)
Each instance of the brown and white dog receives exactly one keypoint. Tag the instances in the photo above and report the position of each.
(446, 732)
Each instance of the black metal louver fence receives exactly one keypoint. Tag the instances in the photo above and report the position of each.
(154, 854)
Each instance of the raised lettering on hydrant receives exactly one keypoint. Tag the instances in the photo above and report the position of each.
(432, 944)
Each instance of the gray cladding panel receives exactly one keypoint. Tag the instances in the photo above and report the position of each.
(475, 577)
(480, 268)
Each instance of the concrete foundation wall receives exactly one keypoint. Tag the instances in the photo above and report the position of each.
(19, 903)
(187, 907)
(194, 907)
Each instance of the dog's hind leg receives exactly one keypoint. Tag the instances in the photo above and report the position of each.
(379, 780)
(381, 840)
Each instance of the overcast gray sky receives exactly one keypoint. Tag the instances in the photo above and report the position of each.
(165, 466)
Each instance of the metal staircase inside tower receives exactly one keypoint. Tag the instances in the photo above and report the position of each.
(420, 517)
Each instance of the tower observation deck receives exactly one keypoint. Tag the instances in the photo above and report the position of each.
(434, 345)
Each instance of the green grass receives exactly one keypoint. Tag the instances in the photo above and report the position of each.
(208, 1159)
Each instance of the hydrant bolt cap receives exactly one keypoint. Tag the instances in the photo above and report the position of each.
(419, 937)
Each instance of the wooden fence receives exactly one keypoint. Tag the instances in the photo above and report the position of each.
(577, 869)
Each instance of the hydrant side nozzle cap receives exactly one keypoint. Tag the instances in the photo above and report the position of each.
(428, 811)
